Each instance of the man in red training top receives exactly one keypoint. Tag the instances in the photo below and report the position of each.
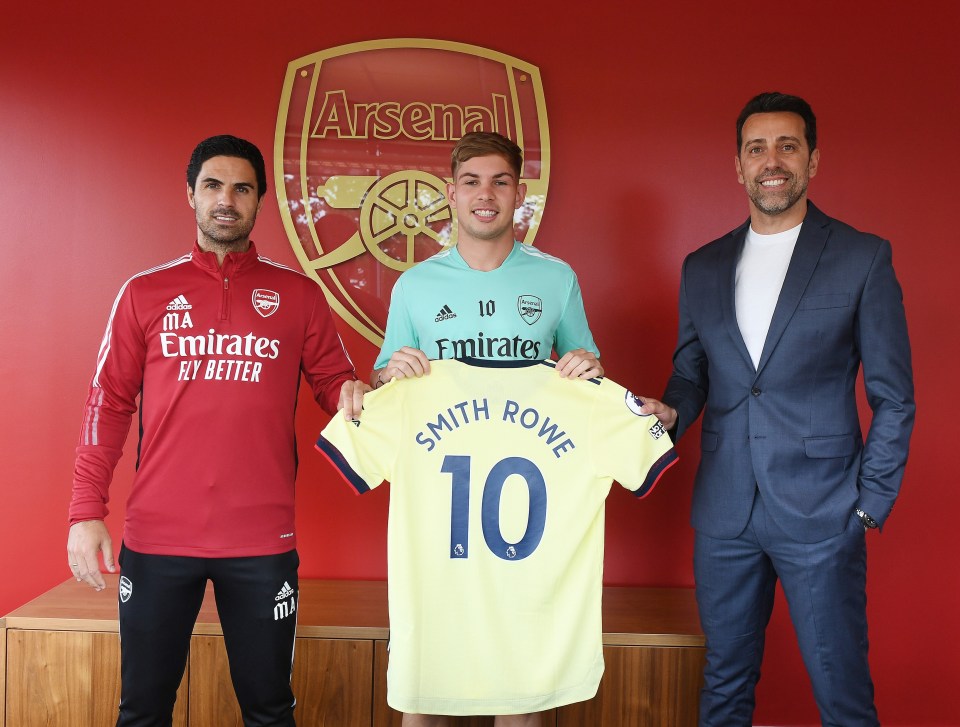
(213, 343)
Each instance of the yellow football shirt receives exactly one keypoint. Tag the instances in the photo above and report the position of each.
(499, 471)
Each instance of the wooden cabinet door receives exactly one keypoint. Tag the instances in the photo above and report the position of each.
(643, 686)
(67, 678)
(331, 681)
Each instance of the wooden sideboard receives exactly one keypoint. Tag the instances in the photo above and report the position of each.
(62, 661)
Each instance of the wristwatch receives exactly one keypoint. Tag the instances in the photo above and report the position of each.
(868, 522)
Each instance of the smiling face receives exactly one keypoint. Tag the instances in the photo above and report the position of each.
(226, 204)
(485, 194)
(775, 166)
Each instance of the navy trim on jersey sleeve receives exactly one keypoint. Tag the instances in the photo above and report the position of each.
(326, 448)
(656, 472)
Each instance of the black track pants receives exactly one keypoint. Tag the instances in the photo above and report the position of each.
(160, 596)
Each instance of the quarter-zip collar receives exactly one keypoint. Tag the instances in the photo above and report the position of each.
(234, 263)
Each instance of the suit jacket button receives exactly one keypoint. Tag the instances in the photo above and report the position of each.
(755, 391)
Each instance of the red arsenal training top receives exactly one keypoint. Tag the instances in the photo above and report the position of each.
(215, 355)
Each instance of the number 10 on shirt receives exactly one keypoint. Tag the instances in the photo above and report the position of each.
(458, 467)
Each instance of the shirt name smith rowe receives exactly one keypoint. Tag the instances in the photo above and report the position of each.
(468, 412)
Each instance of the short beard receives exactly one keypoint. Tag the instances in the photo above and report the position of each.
(224, 238)
(774, 206)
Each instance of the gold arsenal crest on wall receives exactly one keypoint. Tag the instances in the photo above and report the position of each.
(362, 157)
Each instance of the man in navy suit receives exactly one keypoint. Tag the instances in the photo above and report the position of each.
(776, 319)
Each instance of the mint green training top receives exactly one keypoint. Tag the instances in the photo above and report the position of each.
(525, 309)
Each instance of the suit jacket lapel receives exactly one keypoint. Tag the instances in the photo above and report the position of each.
(728, 290)
(806, 254)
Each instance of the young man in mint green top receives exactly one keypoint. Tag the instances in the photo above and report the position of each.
(489, 297)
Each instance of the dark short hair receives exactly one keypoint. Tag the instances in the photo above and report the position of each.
(227, 146)
(773, 101)
(485, 143)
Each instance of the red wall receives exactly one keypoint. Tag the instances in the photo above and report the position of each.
(100, 109)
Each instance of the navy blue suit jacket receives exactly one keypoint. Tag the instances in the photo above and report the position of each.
(790, 426)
